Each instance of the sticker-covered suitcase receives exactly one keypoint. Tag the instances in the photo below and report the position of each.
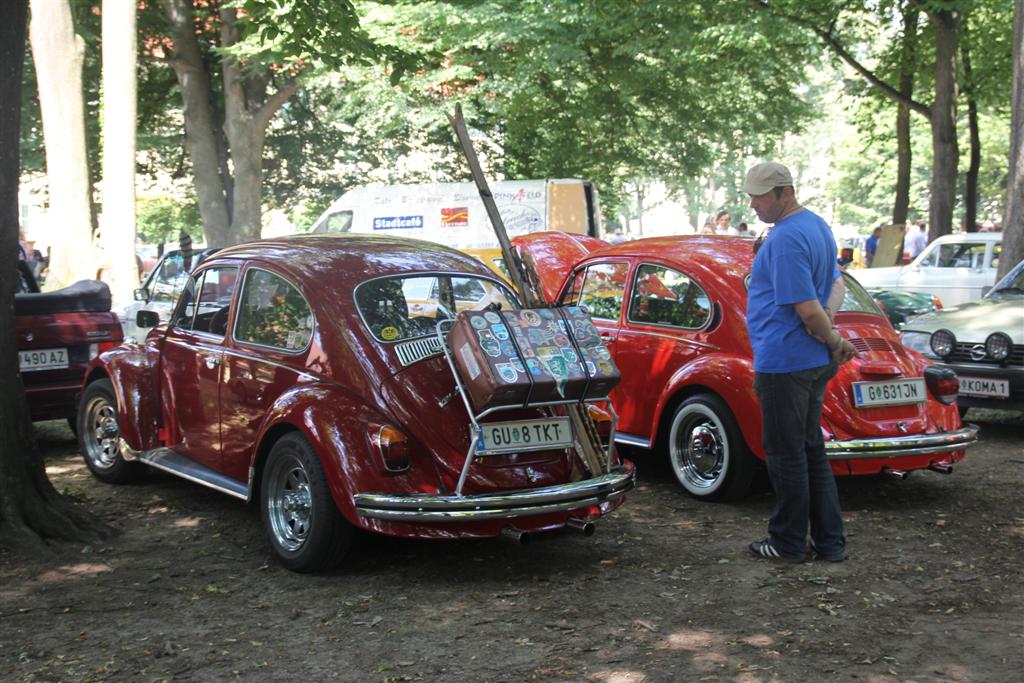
(530, 356)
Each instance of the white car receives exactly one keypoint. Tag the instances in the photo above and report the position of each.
(956, 268)
(159, 291)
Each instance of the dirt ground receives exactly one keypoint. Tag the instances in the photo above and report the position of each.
(664, 591)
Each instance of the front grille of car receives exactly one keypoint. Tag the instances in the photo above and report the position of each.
(962, 354)
(411, 351)
(868, 344)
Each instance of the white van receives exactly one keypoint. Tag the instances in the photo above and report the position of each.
(453, 213)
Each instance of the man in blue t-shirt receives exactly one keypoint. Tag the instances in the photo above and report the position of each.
(871, 246)
(795, 290)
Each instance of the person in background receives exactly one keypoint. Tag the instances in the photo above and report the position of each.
(795, 290)
(185, 246)
(745, 231)
(918, 240)
(617, 237)
(709, 226)
(871, 246)
(722, 224)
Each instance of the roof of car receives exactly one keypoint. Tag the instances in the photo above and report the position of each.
(350, 259)
(717, 253)
(970, 237)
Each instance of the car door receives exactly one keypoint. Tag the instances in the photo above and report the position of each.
(952, 271)
(663, 330)
(192, 356)
(271, 334)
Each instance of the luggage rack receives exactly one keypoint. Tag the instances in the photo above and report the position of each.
(476, 431)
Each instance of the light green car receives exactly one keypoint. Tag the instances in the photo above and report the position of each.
(982, 341)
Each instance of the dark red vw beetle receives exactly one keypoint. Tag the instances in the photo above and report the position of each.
(672, 310)
(306, 373)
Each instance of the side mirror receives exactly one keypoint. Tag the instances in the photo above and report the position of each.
(141, 294)
(145, 318)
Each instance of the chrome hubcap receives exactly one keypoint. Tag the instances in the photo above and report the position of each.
(289, 503)
(699, 451)
(101, 433)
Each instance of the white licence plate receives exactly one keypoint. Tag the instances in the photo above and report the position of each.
(985, 386)
(897, 393)
(42, 359)
(525, 435)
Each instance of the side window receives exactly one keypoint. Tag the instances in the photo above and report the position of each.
(662, 296)
(214, 300)
(997, 249)
(961, 255)
(273, 313)
(599, 290)
(169, 279)
(340, 221)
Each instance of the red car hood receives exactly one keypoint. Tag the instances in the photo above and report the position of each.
(554, 254)
(415, 395)
(882, 357)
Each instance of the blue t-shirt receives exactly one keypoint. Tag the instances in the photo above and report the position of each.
(797, 262)
(871, 246)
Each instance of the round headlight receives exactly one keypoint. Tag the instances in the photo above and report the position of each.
(943, 342)
(997, 346)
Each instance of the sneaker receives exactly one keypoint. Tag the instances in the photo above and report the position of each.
(766, 550)
(815, 555)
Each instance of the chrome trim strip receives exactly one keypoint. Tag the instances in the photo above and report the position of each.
(885, 447)
(522, 503)
(174, 463)
(681, 340)
(244, 355)
(632, 440)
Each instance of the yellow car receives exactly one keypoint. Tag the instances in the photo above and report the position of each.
(490, 257)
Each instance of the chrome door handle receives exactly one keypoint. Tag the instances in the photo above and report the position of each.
(212, 362)
(607, 338)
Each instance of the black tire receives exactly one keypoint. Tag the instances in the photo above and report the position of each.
(304, 526)
(98, 435)
(706, 450)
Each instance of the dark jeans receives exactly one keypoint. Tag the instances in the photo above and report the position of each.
(800, 474)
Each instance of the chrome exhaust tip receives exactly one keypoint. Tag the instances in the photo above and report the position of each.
(941, 468)
(518, 535)
(897, 474)
(586, 527)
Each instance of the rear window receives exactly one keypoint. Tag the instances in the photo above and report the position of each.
(399, 308)
(857, 299)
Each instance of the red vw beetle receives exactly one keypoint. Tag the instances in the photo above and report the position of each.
(295, 373)
(672, 311)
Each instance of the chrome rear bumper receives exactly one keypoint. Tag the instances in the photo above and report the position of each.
(894, 446)
(506, 505)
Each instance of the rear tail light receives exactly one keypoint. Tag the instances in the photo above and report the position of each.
(937, 301)
(602, 421)
(390, 446)
(943, 383)
(96, 349)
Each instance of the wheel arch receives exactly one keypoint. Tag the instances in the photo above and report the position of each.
(731, 379)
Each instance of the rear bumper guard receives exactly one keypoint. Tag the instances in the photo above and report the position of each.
(895, 446)
(522, 503)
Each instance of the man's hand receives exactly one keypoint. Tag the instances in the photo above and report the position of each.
(841, 349)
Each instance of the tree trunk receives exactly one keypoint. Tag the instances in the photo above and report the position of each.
(943, 119)
(1013, 236)
(119, 106)
(640, 208)
(58, 53)
(201, 137)
(30, 508)
(971, 179)
(901, 202)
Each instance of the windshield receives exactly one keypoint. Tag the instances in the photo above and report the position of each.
(1012, 284)
(857, 299)
(405, 307)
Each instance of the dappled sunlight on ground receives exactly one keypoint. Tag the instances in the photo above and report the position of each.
(189, 522)
(75, 571)
(618, 676)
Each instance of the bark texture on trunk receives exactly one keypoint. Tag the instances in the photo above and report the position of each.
(1013, 236)
(974, 164)
(908, 55)
(30, 508)
(119, 106)
(58, 54)
(943, 118)
(201, 136)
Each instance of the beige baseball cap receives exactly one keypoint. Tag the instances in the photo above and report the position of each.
(765, 176)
